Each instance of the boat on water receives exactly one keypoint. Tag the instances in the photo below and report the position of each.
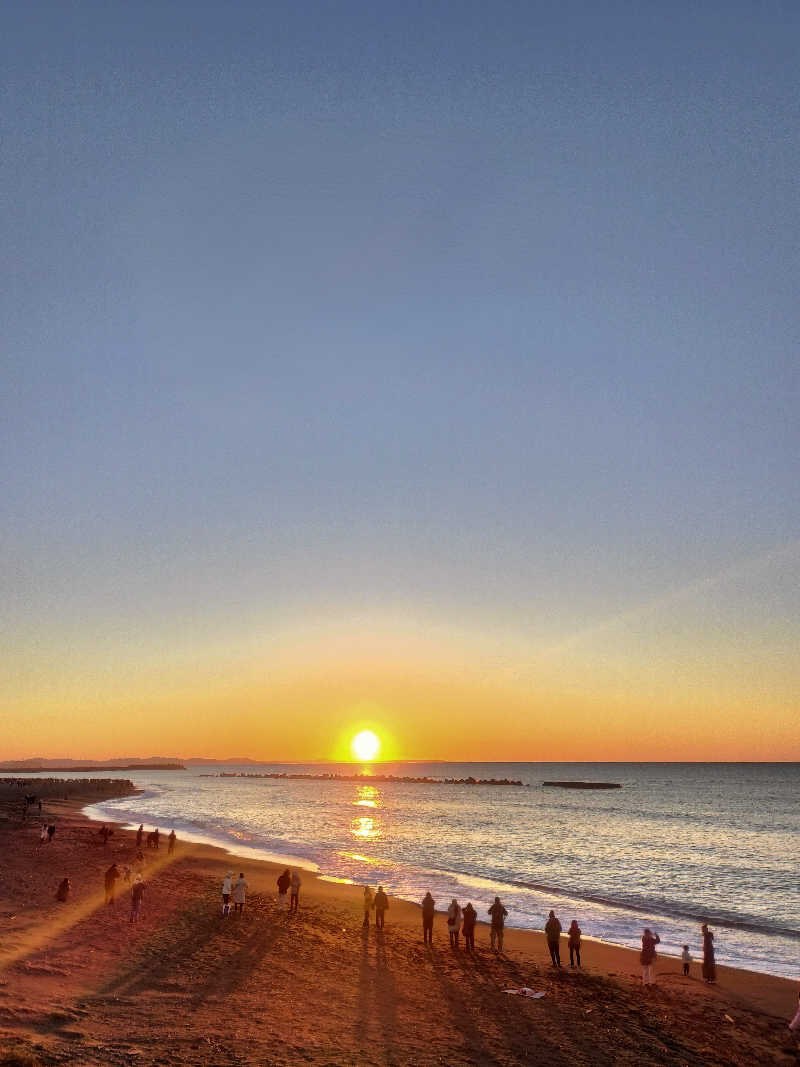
(583, 785)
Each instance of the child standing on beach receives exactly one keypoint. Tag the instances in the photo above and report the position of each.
(686, 959)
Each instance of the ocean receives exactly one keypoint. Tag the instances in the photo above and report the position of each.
(677, 845)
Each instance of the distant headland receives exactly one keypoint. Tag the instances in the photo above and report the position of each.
(369, 778)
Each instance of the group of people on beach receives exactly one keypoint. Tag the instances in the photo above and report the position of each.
(647, 957)
(235, 893)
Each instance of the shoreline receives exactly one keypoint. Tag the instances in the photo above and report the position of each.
(78, 983)
(257, 854)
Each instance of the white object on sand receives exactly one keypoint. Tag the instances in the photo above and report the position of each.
(525, 991)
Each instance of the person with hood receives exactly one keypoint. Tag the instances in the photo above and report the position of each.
(709, 962)
(428, 912)
(239, 893)
(498, 914)
(137, 894)
(294, 896)
(552, 929)
(469, 917)
(227, 889)
(368, 904)
(62, 892)
(112, 874)
(381, 907)
(284, 881)
(647, 957)
(574, 935)
(454, 922)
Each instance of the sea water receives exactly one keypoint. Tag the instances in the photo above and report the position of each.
(677, 845)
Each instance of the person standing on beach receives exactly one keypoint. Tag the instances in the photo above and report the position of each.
(137, 893)
(552, 929)
(428, 912)
(453, 922)
(686, 959)
(294, 897)
(381, 907)
(43, 834)
(172, 839)
(709, 962)
(367, 904)
(648, 956)
(112, 874)
(574, 934)
(63, 890)
(51, 832)
(284, 881)
(139, 835)
(156, 836)
(469, 917)
(239, 894)
(499, 915)
(227, 889)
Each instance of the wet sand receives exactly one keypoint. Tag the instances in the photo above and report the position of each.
(79, 984)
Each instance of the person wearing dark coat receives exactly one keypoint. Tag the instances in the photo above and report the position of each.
(574, 935)
(498, 914)
(428, 912)
(112, 874)
(284, 881)
(63, 890)
(709, 962)
(648, 956)
(468, 919)
(552, 931)
(381, 903)
(139, 836)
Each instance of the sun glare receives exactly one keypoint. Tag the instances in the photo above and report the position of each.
(365, 745)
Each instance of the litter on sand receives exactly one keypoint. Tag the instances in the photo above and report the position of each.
(525, 991)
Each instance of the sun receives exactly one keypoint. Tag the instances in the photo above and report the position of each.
(365, 746)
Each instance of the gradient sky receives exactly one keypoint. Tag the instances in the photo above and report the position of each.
(427, 366)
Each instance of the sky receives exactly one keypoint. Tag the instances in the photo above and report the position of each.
(431, 367)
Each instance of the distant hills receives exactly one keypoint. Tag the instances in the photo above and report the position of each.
(40, 763)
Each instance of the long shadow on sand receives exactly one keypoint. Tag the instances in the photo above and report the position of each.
(377, 996)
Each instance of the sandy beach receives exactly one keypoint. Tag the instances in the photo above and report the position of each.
(79, 984)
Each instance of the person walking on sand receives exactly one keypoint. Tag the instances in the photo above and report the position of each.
(227, 889)
(171, 839)
(139, 835)
(239, 893)
(428, 912)
(647, 957)
(284, 881)
(381, 907)
(552, 929)
(574, 935)
(469, 917)
(137, 894)
(709, 962)
(112, 874)
(368, 902)
(499, 915)
(454, 922)
(686, 959)
(294, 896)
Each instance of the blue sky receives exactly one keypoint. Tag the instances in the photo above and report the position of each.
(484, 313)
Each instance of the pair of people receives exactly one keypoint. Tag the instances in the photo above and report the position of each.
(380, 902)
(289, 880)
(233, 891)
(458, 919)
(552, 930)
